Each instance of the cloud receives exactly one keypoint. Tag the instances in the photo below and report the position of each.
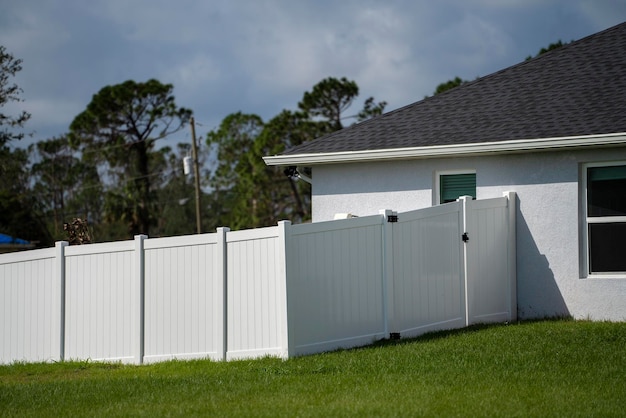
(602, 13)
(28, 31)
(50, 111)
(260, 56)
(291, 53)
(196, 70)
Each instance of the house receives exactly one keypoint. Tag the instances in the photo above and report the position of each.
(552, 129)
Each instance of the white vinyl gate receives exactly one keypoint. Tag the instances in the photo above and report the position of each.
(428, 280)
(453, 265)
(490, 260)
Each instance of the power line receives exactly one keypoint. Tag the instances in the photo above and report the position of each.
(126, 180)
(126, 144)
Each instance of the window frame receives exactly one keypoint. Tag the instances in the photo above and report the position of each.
(586, 220)
(437, 188)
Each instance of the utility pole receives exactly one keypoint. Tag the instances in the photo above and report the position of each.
(196, 171)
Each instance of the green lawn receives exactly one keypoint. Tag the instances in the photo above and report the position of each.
(545, 368)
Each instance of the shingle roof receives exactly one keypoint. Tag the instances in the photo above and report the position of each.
(578, 89)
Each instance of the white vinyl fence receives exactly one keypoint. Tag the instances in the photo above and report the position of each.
(283, 291)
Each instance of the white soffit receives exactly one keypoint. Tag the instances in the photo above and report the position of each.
(449, 150)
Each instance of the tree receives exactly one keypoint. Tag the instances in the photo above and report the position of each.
(120, 127)
(284, 197)
(371, 109)
(331, 97)
(450, 84)
(10, 92)
(175, 195)
(232, 143)
(247, 193)
(550, 47)
(65, 187)
(20, 212)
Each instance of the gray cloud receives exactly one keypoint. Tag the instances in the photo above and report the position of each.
(260, 56)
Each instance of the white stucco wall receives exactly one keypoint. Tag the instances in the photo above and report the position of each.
(550, 279)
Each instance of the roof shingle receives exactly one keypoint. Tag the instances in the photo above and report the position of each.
(575, 90)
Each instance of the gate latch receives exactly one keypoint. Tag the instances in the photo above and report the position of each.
(465, 237)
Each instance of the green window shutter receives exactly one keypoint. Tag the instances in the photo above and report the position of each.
(452, 186)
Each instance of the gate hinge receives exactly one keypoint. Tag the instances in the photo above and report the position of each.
(392, 218)
(465, 237)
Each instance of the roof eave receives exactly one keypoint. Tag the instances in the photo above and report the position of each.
(457, 150)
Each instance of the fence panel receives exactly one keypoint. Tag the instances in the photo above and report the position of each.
(284, 290)
(184, 302)
(256, 293)
(335, 286)
(102, 302)
(428, 283)
(489, 271)
(30, 307)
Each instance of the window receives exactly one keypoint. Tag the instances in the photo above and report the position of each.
(605, 218)
(453, 185)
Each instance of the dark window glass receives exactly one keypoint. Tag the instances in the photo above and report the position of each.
(607, 247)
(606, 191)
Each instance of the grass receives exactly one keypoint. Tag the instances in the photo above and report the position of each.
(545, 368)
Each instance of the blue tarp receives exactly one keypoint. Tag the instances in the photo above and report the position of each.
(7, 239)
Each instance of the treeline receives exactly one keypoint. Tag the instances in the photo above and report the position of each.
(110, 171)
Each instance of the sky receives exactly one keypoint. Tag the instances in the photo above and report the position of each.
(260, 56)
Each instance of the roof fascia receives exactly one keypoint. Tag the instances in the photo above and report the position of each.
(513, 146)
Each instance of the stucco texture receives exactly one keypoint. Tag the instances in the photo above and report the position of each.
(551, 280)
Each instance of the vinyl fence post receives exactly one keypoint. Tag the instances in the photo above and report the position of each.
(140, 278)
(466, 270)
(512, 253)
(283, 289)
(60, 269)
(221, 269)
(387, 274)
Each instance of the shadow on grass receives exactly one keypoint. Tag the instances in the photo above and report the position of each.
(441, 334)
